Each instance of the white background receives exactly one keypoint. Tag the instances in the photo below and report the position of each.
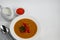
(47, 12)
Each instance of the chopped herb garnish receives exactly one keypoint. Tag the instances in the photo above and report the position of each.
(22, 29)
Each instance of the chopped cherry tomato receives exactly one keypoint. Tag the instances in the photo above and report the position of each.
(27, 27)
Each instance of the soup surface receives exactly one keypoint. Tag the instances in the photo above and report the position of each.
(25, 28)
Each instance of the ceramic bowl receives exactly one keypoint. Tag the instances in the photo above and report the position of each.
(21, 17)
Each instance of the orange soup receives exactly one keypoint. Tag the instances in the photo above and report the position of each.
(25, 28)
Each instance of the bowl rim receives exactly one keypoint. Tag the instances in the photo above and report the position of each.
(21, 17)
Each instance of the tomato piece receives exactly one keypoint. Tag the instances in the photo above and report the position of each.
(27, 27)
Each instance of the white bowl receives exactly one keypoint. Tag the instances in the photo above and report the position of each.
(5, 13)
(21, 17)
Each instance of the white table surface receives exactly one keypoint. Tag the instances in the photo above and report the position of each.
(47, 11)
